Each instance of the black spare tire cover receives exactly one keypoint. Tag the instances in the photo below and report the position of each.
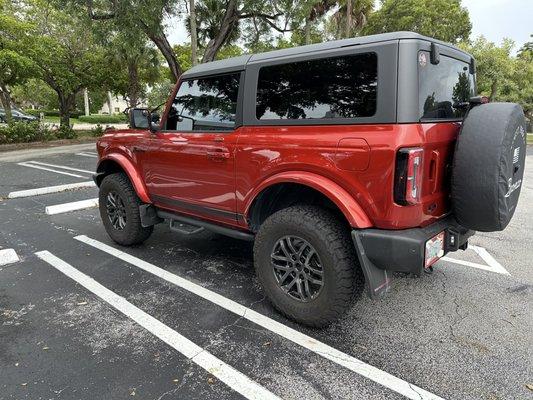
(488, 166)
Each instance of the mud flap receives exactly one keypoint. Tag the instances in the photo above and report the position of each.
(148, 214)
(378, 280)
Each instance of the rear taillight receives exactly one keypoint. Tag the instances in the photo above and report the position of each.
(408, 177)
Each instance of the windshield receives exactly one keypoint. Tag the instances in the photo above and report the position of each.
(444, 87)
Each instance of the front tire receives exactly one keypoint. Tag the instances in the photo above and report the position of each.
(119, 209)
(306, 262)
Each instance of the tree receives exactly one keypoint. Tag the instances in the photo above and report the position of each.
(446, 20)
(494, 64)
(500, 76)
(519, 87)
(134, 62)
(36, 93)
(220, 21)
(15, 67)
(349, 18)
(314, 10)
(64, 53)
(194, 32)
(147, 16)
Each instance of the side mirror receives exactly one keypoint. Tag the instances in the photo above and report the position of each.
(139, 118)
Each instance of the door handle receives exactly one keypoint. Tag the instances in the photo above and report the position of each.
(218, 154)
(178, 140)
(137, 149)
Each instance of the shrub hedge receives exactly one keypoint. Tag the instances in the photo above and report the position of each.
(103, 119)
(25, 132)
(51, 113)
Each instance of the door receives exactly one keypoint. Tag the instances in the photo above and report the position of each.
(191, 168)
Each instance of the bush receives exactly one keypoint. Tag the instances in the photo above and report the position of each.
(66, 132)
(103, 119)
(51, 113)
(97, 131)
(24, 132)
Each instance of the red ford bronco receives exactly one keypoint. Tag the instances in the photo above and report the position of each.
(342, 161)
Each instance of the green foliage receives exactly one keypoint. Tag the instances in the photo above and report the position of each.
(500, 76)
(97, 131)
(442, 19)
(66, 132)
(103, 119)
(97, 98)
(34, 92)
(62, 47)
(24, 132)
(159, 93)
(50, 113)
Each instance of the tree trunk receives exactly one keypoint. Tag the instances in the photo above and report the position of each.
(134, 87)
(194, 33)
(5, 98)
(307, 30)
(161, 41)
(86, 102)
(109, 103)
(65, 107)
(348, 18)
(493, 90)
(231, 18)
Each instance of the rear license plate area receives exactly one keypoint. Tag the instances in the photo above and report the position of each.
(434, 249)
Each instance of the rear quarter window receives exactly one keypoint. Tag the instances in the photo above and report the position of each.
(328, 88)
(443, 87)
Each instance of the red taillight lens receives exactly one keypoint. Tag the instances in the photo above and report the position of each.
(408, 179)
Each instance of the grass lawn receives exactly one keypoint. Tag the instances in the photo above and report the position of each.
(530, 138)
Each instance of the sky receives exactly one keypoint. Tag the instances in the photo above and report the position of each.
(494, 19)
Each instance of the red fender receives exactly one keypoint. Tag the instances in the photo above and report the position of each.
(344, 201)
(128, 167)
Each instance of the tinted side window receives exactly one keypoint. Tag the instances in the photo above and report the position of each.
(339, 87)
(205, 104)
(443, 87)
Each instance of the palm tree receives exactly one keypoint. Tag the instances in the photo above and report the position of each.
(351, 16)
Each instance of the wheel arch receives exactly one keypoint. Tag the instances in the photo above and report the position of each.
(114, 163)
(273, 194)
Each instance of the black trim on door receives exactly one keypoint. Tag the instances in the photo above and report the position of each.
(195, 207)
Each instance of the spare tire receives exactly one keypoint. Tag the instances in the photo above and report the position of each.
(488, 166)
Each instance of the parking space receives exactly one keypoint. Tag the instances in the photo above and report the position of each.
(184, 317)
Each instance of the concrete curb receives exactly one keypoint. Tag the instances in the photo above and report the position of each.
(21, 155)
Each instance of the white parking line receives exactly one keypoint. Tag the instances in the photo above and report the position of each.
(49, 189)
(227, 374)
(368, 371)
(60, 167)
(51, 170)
(74, 206)
(8, 256)
(93, 155)
(492, 264)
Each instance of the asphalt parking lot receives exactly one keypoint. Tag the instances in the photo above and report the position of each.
(184, 318)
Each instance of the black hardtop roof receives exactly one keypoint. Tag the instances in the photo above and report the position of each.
(239, 63)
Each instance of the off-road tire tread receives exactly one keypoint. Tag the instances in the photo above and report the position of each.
(349, 276)
(135, 233)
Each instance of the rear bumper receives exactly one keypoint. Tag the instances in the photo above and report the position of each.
(404, 250)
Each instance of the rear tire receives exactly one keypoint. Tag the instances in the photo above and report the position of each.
(317, 230)
(119, 209)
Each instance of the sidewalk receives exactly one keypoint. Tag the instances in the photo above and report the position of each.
(21, 155)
